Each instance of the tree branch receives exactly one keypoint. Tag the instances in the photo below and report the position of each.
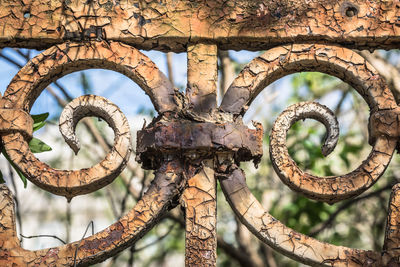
(170, 68)
(319, 228)
(387, 70)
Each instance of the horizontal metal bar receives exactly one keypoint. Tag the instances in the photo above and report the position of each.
(168, 25)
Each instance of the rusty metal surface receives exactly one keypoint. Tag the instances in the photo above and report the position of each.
(192, 140)
(202, 76)
(392, 233)
(168, 183)
(170, 25)
(57, 62)
(333, 188)
(199, 198)
(284, 239)
(342, 63)
(280, 61)
(16, 120)
(200, 206)
(63, 59)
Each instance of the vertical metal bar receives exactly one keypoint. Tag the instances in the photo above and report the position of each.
(199, 199)
(199, 202)
(8, 234)
(202, 76)
(392, 234)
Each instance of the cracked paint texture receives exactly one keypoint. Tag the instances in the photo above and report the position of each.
(199, 202)
(168, 25)
(168, 183)
(342, 63)
(107, 34)
(187, 137)
(284, 239)
(57, 62)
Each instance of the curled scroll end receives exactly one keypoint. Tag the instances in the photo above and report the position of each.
(73, 143)
(326, 149)
(331, 139)
(92, 105)
(67, 126)
(308, 110)
(332, 127)
(323, 114)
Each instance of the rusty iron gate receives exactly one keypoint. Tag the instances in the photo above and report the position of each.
(199, 142)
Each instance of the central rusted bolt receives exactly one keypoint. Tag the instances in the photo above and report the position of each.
(194, 140)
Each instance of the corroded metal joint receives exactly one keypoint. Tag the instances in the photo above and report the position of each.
(384, 123)
(197, 139)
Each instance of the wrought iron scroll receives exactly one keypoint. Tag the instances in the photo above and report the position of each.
(351, 68)
(193, 142)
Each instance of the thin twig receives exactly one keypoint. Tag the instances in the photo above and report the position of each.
(26, 56)
(84, 234)
(61, 102)
(62, 89)
(227, 71)
(112, 203)
(125, 198)
(36, 236)
(68, 221)
(341, 101)
(155, 241)
(131, 258)
(170, 69)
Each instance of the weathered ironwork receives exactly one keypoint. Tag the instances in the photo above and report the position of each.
(198, 139)
(193, 141)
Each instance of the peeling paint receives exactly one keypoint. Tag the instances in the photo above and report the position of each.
(192, 141)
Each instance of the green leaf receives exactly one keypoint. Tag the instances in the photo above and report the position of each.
(38, 146)
(40, 117)
(20, 174)
(38, 125)
(1, 178)
(39, 120)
